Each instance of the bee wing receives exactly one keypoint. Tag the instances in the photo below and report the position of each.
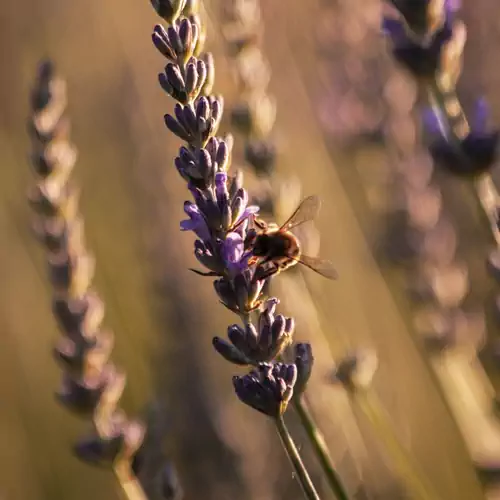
(321, 266)
(306, 211)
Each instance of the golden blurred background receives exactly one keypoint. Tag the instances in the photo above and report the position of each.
(326, 59)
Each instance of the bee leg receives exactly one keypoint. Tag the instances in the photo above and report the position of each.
(262, 225)
(202, 273)
(263, 274)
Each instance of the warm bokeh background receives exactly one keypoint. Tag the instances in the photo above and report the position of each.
(162, 315)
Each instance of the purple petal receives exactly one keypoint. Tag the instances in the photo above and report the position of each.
(196, 222)
(481, 114)
(393, 28)
(433, 122)
(232, 249)
(453, 5)
(251, 210)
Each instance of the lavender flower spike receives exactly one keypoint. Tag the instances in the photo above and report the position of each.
(224, 223)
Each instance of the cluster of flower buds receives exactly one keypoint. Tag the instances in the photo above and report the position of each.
(428, 41)
(92, 385)
(221, 217)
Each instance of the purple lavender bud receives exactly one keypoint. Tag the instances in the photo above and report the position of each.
(181, 168)
(162, 43)
(229, 352)
(186, 35)
(175, 39)
(265, 390)
(217, 108)
(191, 78)
(240, 286)
(189, 118)
(202, 75)
(174, 77)
(176, 128)
(304, 361)
(289, 326)
(237, 336)
(277, 329)
(225, 291)
(222, 156)
(236, 183)
(165, 84)
(252, 337)
(205, 166)
(207, 258)
(202, 108)
(209, 75)
(221, 190)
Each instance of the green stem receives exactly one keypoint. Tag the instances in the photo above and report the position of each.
(401, 459)
(320, 448)
(293, 454)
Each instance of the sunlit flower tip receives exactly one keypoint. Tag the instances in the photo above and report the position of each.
(196, 222)
(169, 10)
(267, 389)
(304, 361)
(356, 370)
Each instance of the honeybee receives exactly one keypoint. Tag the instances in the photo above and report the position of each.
(277, 249)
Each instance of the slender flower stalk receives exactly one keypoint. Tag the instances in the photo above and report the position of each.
(92, 386)
(224, 223)
(293, 453)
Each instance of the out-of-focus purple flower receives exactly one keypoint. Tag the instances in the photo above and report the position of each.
(418, 21)
(268, 389)
(196, 222)
(471, 156)
(421, 58)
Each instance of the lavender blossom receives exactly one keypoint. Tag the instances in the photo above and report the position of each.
(470, 156)
(268, 389)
